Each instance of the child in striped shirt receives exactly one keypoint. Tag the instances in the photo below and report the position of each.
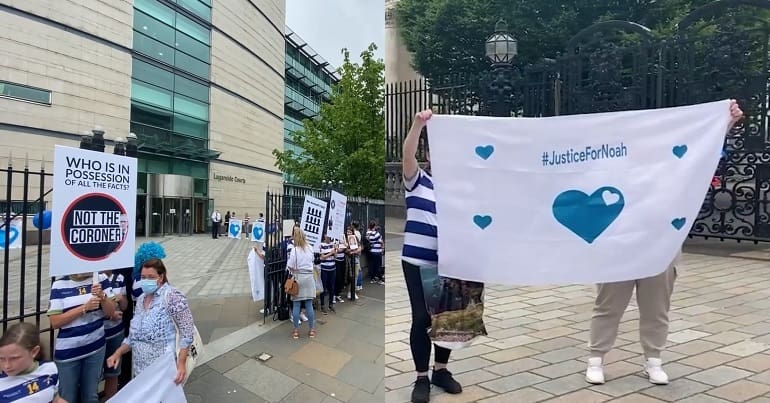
(328, 272)
(77, 309)
(25, 376)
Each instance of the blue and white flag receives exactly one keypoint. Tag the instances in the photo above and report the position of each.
(235, 228)
(571, 199)
(258, 231)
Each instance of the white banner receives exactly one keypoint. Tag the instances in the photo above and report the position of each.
(258, 231)
(235, 228)
(313, 214)
(256, 275)
(571, 199)
(154, 384)
(336, 222)
(94, 210)
(13, 232)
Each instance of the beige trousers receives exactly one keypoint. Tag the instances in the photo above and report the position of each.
(653, 296)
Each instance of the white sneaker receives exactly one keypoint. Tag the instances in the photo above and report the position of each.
(653, 368)
(302, 317)
(595, 372)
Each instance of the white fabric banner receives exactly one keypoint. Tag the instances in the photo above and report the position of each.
(235, 229)
(256, 275)
(571, 199)
(154, 384)
(337, 209)
(313, 215)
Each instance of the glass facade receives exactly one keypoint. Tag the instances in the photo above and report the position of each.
(309, 81)
(170, 87)
(24, 93)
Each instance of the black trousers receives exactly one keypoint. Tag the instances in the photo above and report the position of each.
(341, 276)
(419, 341)
(214, 230)
(375, 266)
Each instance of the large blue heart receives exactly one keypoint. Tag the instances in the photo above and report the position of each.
(679, 150)
(485, 151)
(235, 229)
(14, 233)
(257, 232)
(482, 221)
(588, 216)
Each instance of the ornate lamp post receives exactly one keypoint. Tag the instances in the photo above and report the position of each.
(501, 49)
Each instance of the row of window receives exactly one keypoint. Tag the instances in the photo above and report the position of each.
(163, 78)
(315, 75)
(292, 97)
(165, 35)
(161, 165)
(24, 93)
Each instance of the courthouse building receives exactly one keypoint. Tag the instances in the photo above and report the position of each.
(202, 84)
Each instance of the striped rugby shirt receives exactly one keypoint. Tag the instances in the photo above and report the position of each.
(328, 263)
(421, 232)
(84, 335)
(340, 251)
(113, 328)
(38, 386)
(375, 242)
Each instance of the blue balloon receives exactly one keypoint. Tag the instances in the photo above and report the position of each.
(46, 215)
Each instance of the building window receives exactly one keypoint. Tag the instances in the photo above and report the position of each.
(200, 8)
(24, 93)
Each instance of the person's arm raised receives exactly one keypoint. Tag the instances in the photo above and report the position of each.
(409, 165)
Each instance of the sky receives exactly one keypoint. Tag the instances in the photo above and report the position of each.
(330, 25)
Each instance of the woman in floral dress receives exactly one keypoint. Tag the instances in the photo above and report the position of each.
(159, 311)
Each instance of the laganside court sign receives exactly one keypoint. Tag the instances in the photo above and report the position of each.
(228, 178)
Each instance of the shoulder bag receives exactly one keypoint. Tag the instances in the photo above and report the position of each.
(291, 287)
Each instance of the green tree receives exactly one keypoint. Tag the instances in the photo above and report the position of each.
(447, 36)
(346, 141)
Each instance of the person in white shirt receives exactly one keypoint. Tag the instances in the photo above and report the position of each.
(25, 375)
(216, 218)
(300, 265)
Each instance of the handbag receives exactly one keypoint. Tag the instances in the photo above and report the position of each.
(282, 312)
(291, 287)
(195, 349)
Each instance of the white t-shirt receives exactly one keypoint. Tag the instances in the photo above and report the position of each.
(38, 386)
(301, 259)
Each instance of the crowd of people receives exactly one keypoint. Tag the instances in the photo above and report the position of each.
(91, 339)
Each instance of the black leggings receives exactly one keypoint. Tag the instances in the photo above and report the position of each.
(419, 341)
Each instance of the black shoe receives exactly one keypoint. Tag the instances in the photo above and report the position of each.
(421, 391)
(444, 380)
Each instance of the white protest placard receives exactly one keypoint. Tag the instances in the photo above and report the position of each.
(288, 227)
(336, 222)
(94, 203)
(154, 384)
(571, 199)
(258, 231)
(312, 222)
(235, 228)
(256, 275)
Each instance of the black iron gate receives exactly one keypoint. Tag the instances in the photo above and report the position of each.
(287, 205)
(719, 51)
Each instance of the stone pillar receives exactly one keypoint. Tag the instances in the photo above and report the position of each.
(398, 61)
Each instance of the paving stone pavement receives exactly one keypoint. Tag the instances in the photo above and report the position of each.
(718, 349)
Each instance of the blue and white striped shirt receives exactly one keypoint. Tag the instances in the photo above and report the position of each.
(84, 335)
(421, 232)
(375, 241)
(38, 386)
(113, 328)
(327, 263)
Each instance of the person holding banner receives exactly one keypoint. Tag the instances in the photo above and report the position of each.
(653, 296)
(328, 273)
(300, 265)
(77, 308)
(160, 311)
(421, 248)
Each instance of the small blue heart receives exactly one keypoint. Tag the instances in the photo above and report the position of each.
(257, 232)
(679, 150)
(14, 233)
(588, 216)
(678, 223)
(482, 221)
(485, 151)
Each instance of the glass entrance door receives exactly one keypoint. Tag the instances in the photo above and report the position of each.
(186, 217)
(171, 209)
(156, 216)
